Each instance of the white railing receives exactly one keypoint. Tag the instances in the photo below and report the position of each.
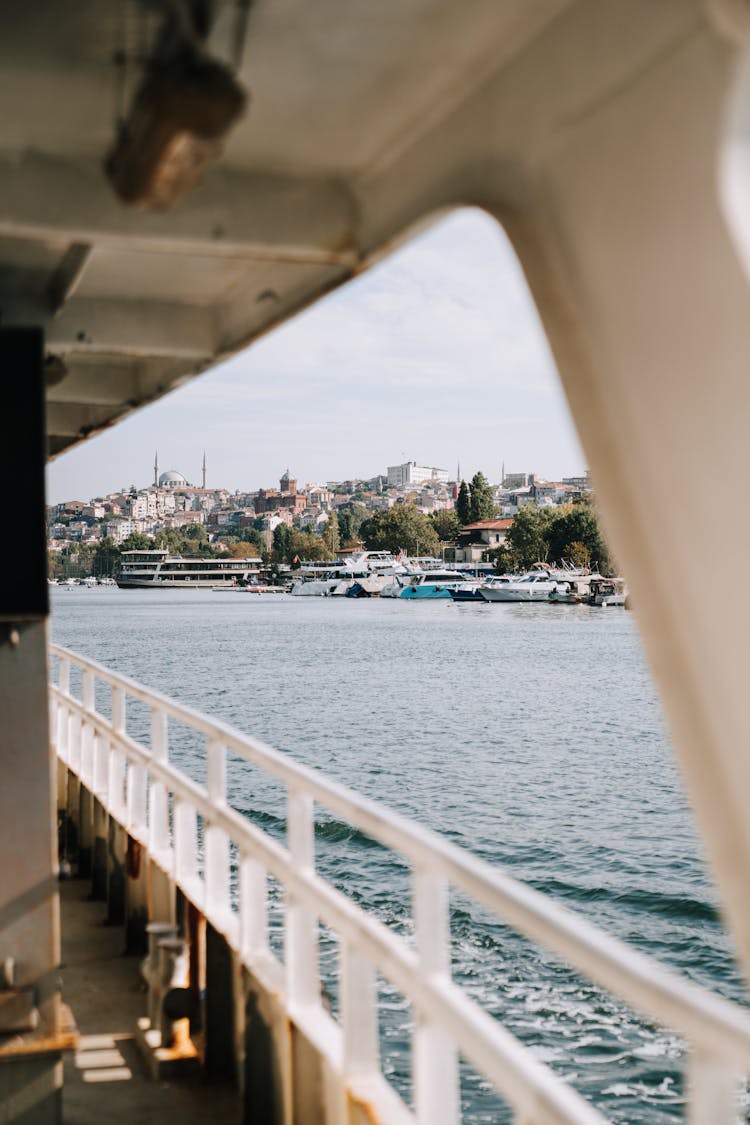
(138, 785)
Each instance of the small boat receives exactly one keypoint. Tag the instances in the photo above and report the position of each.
(575, 590)
(608, 591)
(469, 592)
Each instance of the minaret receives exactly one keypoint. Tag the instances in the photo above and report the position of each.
(156, 469)
(458, 471)
(502, 478)
(204, 469)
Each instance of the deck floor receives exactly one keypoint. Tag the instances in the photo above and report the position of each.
(106, 1080)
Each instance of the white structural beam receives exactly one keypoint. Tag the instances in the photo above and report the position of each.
(233, 212)
(648, 313)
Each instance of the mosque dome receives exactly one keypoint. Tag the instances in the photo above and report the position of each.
(172, 479)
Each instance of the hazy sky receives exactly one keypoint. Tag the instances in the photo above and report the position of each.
(435, 356)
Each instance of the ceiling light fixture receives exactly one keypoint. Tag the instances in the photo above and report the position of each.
(175, 129)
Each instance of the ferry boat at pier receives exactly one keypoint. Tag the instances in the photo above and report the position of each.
(159, 570)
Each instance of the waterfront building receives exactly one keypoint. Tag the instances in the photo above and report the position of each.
(476, 540)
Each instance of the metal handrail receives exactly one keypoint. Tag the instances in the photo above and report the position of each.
(717, 1030)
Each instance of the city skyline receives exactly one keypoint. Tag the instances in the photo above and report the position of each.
(217, 486)
(435, 355)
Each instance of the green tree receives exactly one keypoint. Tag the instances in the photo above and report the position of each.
(195, 531)
(79, 560)
(106, 557)
(350, 521)
(330, 535)
(137, 541)
(250, 535)
(55, 565)
(482, 503)
(238, 550)
(401, 528)
(282, 539)
(579, 554)
(307, 547)
(463, 504)
(526, 542)
(575, 526)
(506, 559)
(169, 540)
(446, 524)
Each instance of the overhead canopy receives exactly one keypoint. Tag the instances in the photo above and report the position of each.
(134, 302)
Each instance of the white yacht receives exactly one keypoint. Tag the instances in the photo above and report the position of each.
(336, 579)
(535, 586)
(321, 579)
(159, 570)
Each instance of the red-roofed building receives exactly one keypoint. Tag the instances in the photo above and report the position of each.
(475, 540)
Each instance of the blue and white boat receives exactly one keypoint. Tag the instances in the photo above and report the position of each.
(424, 584)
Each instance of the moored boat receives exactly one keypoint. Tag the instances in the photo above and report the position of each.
(158, 570)
(608, 591)
(424, 584)
(534, 586)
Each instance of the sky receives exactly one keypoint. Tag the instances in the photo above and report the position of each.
(436, 355)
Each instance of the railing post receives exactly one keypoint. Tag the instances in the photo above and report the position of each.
(253, 907)
(359, 1013)
(87, 731)
(101, 767)
(186, 845)
(435, 1056)
(158, 816)
(217, 841)
(136, 797)
(713, 1091)
(63, 714)
(74, 741)
(63, 675)
(301, 924)
(116, 783)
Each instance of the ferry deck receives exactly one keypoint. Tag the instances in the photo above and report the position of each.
(176, 178)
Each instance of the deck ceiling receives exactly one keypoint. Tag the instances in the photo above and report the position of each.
(134, 302)
(333, 159)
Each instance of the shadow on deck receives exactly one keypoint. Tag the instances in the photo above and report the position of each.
(107, 1079)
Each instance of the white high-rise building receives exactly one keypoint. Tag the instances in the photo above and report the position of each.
(400, 476)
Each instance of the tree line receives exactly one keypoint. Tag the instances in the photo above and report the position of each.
(569, 532)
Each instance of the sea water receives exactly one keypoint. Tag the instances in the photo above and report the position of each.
(529, 734)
